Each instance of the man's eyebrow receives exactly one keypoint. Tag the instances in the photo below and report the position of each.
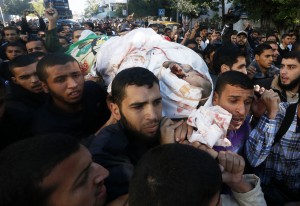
(82, 173)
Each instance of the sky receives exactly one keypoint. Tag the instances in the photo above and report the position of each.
(77, 5)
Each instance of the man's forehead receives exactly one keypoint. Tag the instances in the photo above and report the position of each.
(289, 61)
(236, 90)
(141, 93)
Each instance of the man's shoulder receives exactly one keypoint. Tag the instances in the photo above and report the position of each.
(110, 137)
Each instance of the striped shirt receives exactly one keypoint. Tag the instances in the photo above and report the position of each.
(282, 161)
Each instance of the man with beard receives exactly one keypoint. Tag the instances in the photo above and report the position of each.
(286, 84)
(137, 105)
(241, 43)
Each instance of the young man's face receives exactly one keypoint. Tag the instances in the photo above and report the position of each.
(286, 40)
(141, 110)
(13, 51)
(275, 51)
(11, 35)
(65, 83)
(290, 72)
(35, 46)
(76, 35)
(240, 65)
(236, 101)
(77, 181)
(265, 59)
(27, 78)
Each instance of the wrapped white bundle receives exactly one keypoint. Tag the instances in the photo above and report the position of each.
(144, 48)
(212, 124)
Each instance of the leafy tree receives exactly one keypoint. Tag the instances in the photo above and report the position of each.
(15, 7)
(38, 6)
(92, 7)
(194, 8)
(282, 13)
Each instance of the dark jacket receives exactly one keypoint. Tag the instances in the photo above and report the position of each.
(119, 152)
(94, 113)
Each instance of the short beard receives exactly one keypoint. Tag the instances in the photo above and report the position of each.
(136, 135)
(290, 86)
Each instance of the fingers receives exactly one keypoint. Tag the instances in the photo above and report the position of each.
(205, 148)
(231, 162)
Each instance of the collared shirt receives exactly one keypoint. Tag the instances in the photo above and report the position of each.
(281, 161)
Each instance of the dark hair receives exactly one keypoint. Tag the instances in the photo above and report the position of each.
(175, 174)
(11, 28)
(31, 39)
(21, 61)
(233, 78)
(26, 163)
(261, 48)
(285, 35)
(50, 60)
(133, 76)
(227, 55)
(292, 55)
(90, 24)
(15, 44)
(270, 42)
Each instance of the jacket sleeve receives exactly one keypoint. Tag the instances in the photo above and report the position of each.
(52, 41)
(252, 198)
(259, 143)
(42, 24)
(109, 152)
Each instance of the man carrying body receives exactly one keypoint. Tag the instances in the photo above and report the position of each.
(276, 158)
(234, 93)
(137, 105)
(76, 107)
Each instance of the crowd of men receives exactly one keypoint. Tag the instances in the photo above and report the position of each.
(66, 141)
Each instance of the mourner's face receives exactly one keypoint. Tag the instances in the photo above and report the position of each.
(290, 73)
(236, 101)
(65, 83)
(77, 181)
(141, 109)
(27, 78)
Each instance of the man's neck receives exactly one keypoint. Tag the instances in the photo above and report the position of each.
(70, 108)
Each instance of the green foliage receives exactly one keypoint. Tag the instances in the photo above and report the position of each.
(194, 7)
(92, 8)
(283, 13)
(39, 6)
(15, 7)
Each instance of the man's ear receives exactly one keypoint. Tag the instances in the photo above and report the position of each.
(224, 68)
(215, 100)
(115, 111)
(256, 57)
(45, 87)
(14, 80)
